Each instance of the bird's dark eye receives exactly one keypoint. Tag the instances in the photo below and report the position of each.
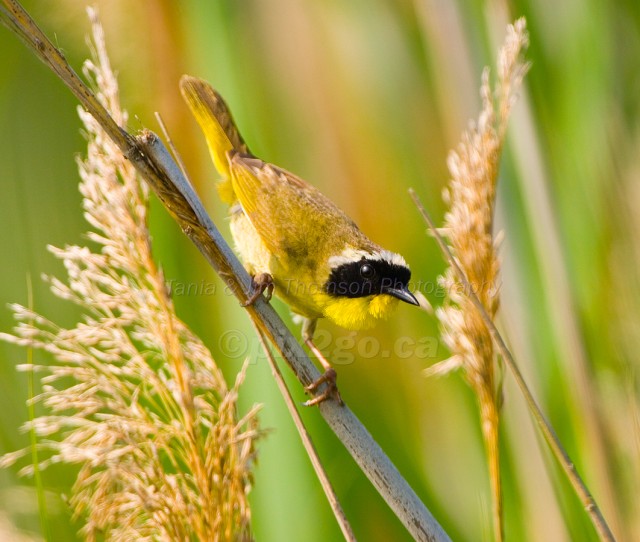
(366, 271)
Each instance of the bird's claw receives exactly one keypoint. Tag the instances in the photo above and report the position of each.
(260, 284)
(331, 389)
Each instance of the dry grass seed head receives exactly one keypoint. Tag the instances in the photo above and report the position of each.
(147, 415)
(468, 228)
(468, 224)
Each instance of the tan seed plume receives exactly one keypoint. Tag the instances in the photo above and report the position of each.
(469, 229)
(133, 396)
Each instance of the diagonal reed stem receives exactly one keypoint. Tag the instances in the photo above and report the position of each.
(153, 162)
(188, 210)
(580, 488)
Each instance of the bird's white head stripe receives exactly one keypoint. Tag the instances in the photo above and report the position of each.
(350, 254)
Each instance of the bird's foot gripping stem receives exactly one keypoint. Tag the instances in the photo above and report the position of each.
(328, 377)
(330, 391)
(261, 283)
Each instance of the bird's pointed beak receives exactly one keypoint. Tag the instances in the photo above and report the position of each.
(403, 294)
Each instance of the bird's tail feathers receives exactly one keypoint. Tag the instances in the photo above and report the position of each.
(215, 120)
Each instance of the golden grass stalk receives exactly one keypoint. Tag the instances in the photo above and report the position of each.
(580, 488)
(582, 491)
(133, 396)
(469, 230)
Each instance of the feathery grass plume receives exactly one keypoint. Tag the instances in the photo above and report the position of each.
(469, 231)
(134, 398)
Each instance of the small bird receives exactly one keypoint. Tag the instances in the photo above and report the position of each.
(292, 238)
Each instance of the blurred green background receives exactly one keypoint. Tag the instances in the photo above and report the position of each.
(364, 99)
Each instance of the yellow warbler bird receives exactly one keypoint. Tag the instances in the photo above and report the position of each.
(291, 237)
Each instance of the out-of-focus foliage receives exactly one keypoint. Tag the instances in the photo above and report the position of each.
(365, 99)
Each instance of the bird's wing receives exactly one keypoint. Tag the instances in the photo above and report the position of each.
(295, 221)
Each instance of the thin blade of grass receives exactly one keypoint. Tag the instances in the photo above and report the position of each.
(318, 467)
(33, 438)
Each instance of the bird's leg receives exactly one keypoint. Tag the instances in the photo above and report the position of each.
(328, 377)
(262, 282)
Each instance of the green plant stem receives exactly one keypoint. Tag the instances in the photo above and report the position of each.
(545, 427)
(33, 438)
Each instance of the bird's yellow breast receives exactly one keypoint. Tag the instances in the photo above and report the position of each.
(294, 282)
(359, 312)
(299, 282)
